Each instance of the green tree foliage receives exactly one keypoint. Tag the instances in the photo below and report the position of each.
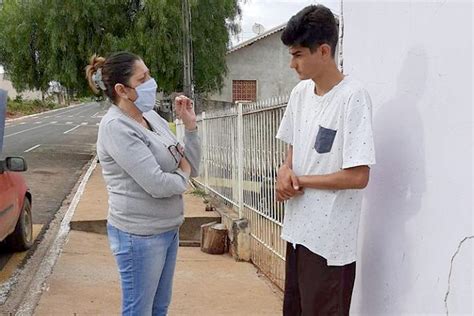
(24, 46)
(75, 31)
(156, 35)
(44, 40)
(211, 22)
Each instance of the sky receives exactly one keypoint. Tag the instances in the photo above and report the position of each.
(271, 13)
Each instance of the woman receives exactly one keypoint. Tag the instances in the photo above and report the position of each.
(146, 171)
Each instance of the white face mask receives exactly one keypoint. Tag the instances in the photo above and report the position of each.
(146, 95)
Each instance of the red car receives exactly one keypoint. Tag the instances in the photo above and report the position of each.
(16, 224)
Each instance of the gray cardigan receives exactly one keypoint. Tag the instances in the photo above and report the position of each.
(141, 172)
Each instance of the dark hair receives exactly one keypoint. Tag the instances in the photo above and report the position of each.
(116, 68)
(311, 27)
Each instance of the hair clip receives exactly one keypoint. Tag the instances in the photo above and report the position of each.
(97, 78)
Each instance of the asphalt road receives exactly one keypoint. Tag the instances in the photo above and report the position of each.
(56, 146)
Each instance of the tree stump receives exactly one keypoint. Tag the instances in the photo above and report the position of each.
(213, 238)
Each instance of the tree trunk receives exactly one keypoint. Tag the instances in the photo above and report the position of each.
(213, 238)
(68, 97)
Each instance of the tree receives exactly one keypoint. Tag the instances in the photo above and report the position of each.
(24, 44)
(46, 40)
(212, 20)
(155, 35)
(78, 29)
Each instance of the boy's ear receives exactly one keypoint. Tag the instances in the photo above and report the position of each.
(325, 50)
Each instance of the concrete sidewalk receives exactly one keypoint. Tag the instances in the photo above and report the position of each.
(85, 280)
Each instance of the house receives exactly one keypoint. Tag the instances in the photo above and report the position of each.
(258, 69)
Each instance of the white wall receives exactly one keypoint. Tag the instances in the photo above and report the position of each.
(6, 84)
(416, 60)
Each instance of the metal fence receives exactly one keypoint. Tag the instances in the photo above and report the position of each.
(239, 163)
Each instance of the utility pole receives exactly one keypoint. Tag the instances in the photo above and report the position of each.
(188, 80)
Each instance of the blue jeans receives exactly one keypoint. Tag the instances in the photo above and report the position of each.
(146, 265)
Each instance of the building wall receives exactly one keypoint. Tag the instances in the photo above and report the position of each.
(267, 61)
(5, 84)
(416, 233)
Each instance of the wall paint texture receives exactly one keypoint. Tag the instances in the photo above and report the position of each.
(415, 239)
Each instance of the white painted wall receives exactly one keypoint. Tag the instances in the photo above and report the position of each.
(6, 84)
(416, 60)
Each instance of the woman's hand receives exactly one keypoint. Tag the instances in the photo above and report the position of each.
(185, 165)
(185, 111)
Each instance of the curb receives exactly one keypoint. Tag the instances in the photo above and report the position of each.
(36, 287)
(37, 114)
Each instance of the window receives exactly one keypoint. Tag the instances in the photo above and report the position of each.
(244, 90)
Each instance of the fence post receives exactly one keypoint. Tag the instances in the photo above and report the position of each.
(205, 151)
(179, 136)
(240, 159)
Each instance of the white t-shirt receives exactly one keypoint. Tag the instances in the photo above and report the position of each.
(328, 133)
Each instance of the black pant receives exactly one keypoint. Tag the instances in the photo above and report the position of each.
(314, 288)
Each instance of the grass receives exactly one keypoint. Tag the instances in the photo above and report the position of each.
(199, 192)
(172, 127)
(20, 107)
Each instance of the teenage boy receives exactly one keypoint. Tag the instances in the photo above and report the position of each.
(328, 127)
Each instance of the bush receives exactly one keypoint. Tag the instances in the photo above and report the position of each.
(172, 127)
(20, 107)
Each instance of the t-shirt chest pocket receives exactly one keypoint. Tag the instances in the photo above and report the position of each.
(324, 139)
